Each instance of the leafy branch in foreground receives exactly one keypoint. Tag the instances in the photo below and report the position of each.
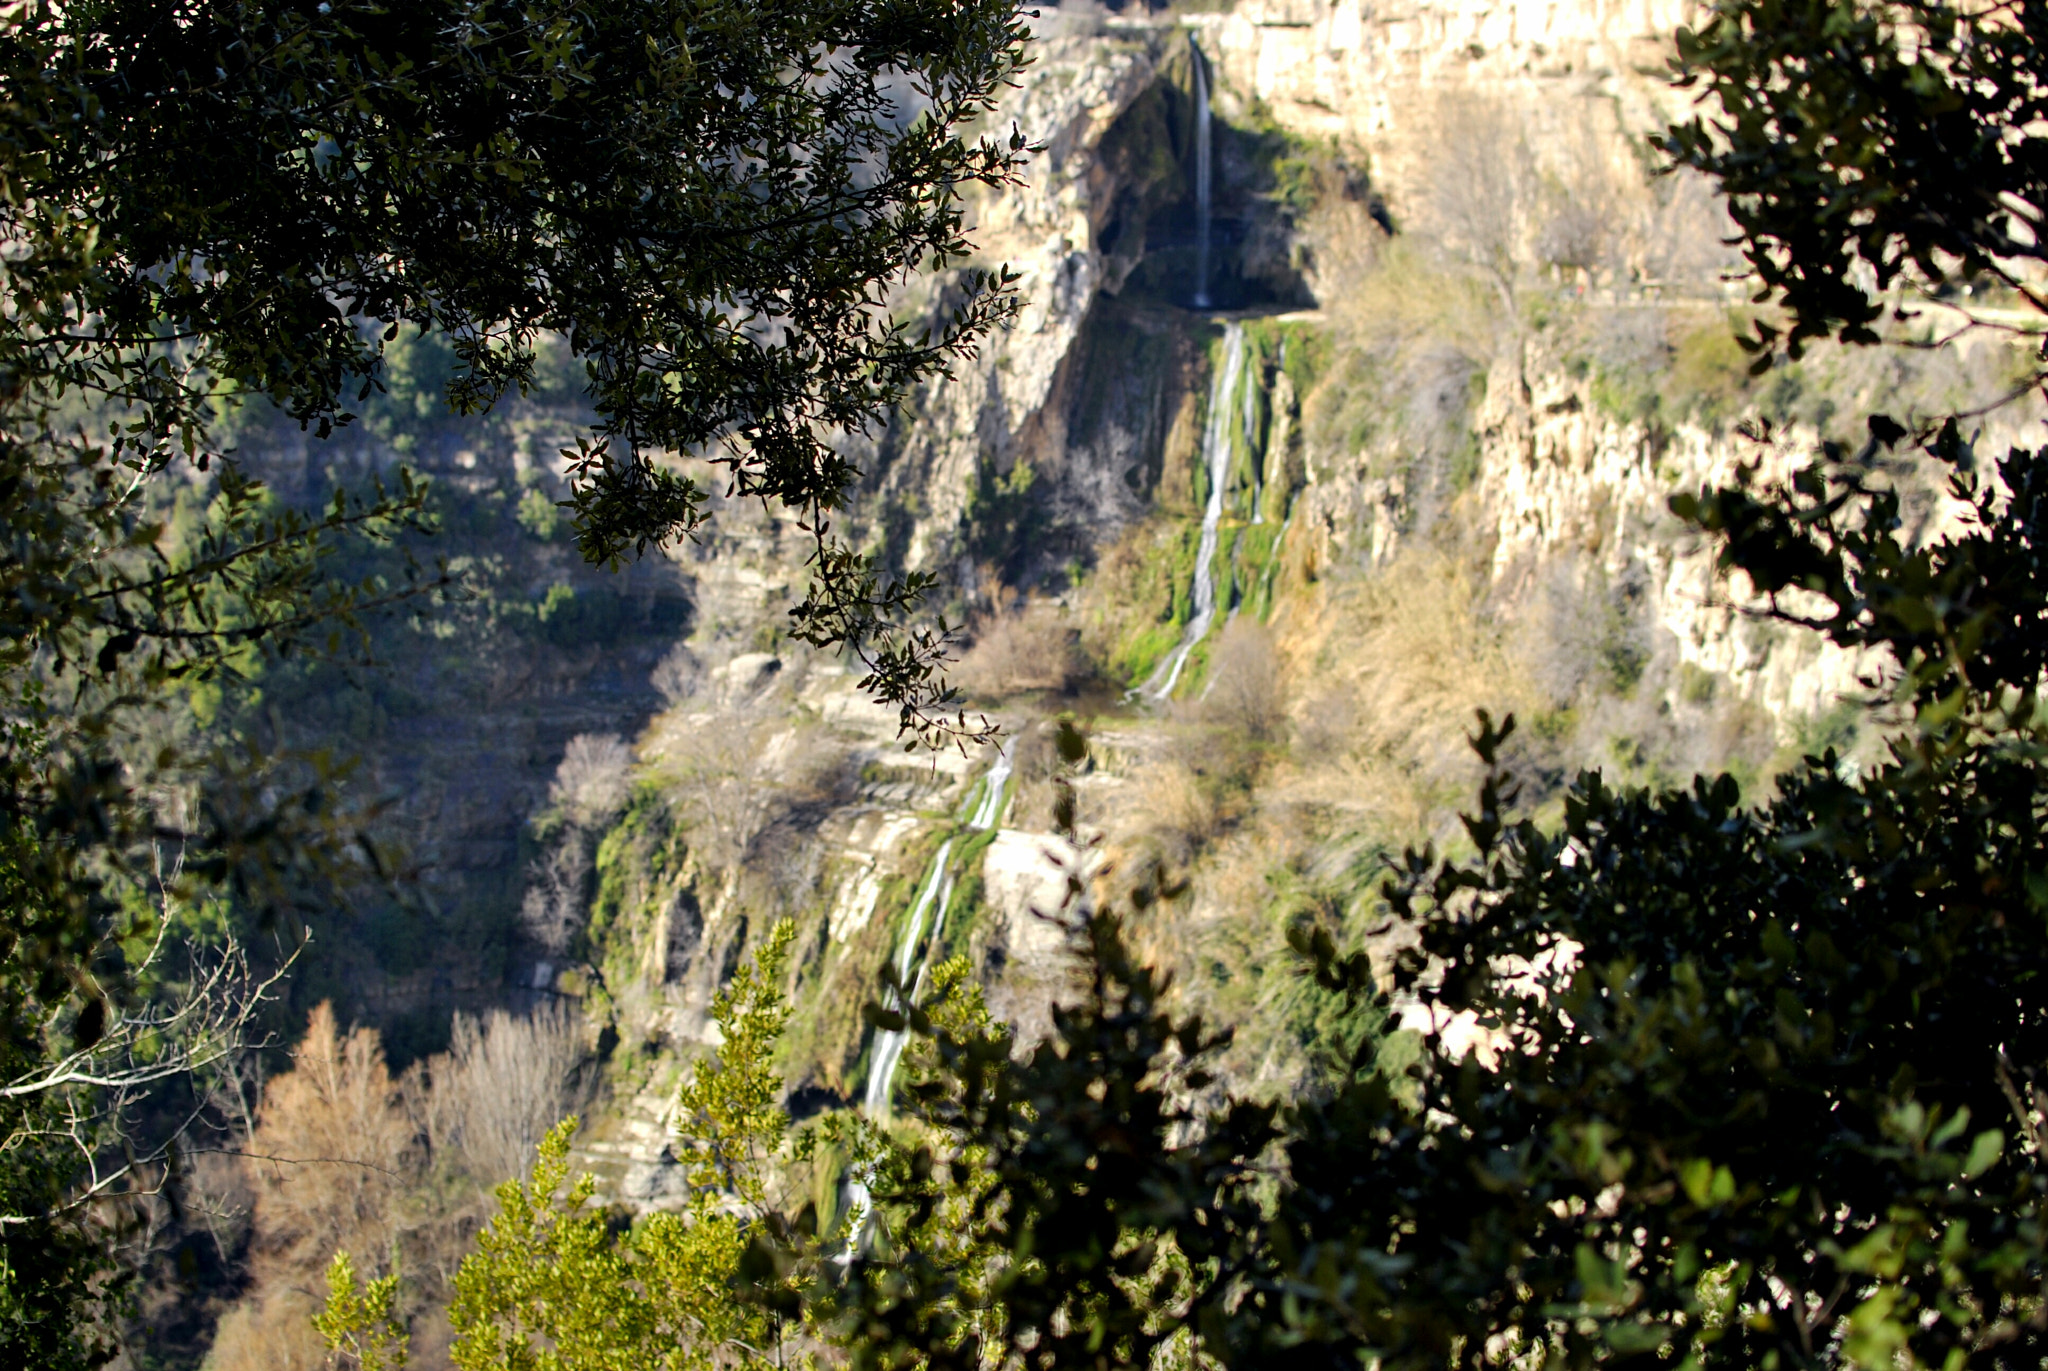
(1762, 1083)
(1865, 147)
(131, 851)
(847, 605)
(717, 206)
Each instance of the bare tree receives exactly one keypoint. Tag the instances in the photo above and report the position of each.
(723, 787)
(90, 1093)
(679, 675)
(590, 787)
(1244, 681)
(335, 1163)
(1019, 652)
(505, 1082)
(330, 1157)
(552, 909)
(594, 778)
(1480, 190)
(329, 1149)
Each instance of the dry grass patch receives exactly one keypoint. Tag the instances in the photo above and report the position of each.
(1391, 669)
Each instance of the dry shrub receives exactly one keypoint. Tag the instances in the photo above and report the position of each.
(336, 1164)
(679, 675)
(1412, 299)
(271, 1330)
(594, 778)
(1244, 690)
(591, 786)
(1014, 653)
(551, 911)
(330, 1146)
(1400, 660)
(1564, 624)
(718, 784)
(328, 1163)
(503, 1084)
(1414, 341)
(1172, 806)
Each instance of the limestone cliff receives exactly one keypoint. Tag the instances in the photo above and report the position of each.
(1461, 348)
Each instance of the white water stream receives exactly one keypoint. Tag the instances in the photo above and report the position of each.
(1216, 455)
(1251, 447)
(938, 890)
(889, 1042)
(1203, 176)
(989, 804)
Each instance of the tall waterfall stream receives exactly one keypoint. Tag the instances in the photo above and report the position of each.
(1204, 177)
(938, 890)
(1216, 457)
(935, 894)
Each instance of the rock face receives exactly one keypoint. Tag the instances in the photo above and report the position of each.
(1068, 233)
(1375, 75)
(1472, 329)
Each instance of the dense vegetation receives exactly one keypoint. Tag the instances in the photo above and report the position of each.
(1753, 1085)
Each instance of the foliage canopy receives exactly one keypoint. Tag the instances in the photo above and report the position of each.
(1760, 1085)
(1868, 147)
(712, 203)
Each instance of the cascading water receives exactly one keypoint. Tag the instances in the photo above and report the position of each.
(992, 786)
(989, 805)
(1251, 445)
(1216, 449)
(1203, 174)
(889, 1043)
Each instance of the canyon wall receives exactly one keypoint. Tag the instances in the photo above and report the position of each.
(1463, 344)
(1269, 489)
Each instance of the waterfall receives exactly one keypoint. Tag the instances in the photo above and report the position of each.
(889, 1043)
(989, 805)
(992, 785)
(1251, 447)
(1216, 453)
(1203, 175)
(938, 887)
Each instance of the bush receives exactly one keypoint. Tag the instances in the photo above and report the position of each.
(503, 1084)
(1244, 690)
(593, 779)
(1016, 653)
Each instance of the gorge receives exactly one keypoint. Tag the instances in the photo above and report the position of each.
(1362, 348)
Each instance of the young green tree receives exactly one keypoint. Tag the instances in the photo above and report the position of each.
(359, 1320)
(553, 1284)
